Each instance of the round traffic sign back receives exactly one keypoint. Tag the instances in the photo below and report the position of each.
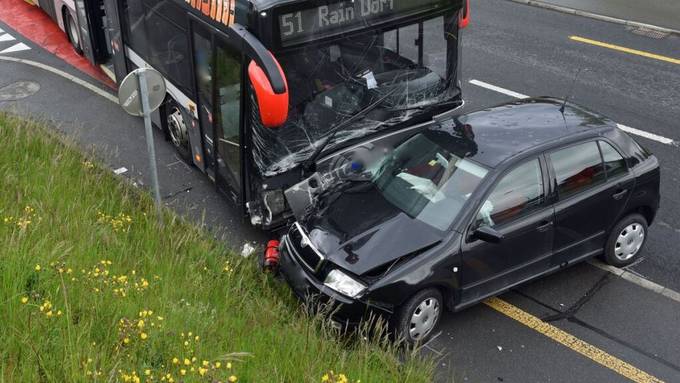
(129, 93)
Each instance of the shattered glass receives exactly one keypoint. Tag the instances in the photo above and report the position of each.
(409, 70)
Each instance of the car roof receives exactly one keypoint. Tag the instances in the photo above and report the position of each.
(507, 130)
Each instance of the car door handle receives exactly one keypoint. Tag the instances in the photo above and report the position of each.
(619, 194)
(544, 226)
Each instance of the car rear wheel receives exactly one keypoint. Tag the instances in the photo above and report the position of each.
(72, 32)
(626, 241)
(419, 316)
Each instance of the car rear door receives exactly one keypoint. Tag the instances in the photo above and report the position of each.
(517, 207)
(584, 201)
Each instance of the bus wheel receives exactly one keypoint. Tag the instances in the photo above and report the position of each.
(72, 31)
(177, 131)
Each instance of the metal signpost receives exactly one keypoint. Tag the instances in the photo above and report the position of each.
(142, 92)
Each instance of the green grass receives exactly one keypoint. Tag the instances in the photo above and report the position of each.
(105, 263)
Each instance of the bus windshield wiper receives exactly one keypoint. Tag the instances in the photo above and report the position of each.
(310, 162)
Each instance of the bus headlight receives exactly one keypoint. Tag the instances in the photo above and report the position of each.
(344, 284)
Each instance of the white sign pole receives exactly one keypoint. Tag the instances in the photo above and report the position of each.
(150, 147)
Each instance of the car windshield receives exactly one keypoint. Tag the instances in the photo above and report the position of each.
(427, 181)
(385, 76)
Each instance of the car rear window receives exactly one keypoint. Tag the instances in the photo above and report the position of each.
(614, 163)
(577, 168)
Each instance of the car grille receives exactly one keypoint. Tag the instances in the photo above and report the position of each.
(303, 249)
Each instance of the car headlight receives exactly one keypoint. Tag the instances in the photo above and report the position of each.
(344, 284)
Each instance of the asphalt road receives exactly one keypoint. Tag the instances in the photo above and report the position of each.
(519, 48)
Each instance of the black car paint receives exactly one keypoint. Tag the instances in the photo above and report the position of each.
(466, 270)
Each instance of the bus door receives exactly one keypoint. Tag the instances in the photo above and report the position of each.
(115, 39)
(90, 25)
(218, 71)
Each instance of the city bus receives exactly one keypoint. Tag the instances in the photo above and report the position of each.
(261, 91)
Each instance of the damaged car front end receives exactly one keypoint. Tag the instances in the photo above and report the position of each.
(370, 234)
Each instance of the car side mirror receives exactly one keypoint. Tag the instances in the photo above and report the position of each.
(487, 234)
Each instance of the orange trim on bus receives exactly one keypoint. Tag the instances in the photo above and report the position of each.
(219, 10)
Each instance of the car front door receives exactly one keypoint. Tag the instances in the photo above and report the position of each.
(517, 208)
(582, 212)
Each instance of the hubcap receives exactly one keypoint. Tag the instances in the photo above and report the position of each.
(629, 242)
(177, 128)
(424, 318)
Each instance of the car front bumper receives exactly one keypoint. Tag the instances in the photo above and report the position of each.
(347, 312)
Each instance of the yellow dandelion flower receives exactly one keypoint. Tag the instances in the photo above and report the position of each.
(140, 324)
(228, 365)
(186, 343)
(197, 338)
(24, 300)
(37, 267)
(182, 372)
(175, 361)
(49, 314)
(147, 372)
(202, 371)
(233, 379)
(143, 336)
(193, 359)
(218, 364)
(126, 340)
(59, 313)
(187, 362)
(325, 378)
(205, 363)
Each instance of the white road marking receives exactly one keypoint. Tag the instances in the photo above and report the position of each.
(6, 37)
(498, 89)
(628, 129)
(637, 279)
(16, 48)
(647, 135)
(65, 75)
(2, 30)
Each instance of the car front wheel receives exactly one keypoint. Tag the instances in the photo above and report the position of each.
(419, 316)
(626, 241)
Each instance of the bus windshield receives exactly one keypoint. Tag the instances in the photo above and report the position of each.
(407, 70)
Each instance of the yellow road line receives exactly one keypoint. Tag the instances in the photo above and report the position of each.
(625, 50)
(589, 351)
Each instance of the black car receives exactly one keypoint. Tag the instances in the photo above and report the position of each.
(467, 207)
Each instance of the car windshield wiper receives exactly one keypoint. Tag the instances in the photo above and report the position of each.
(309, 163)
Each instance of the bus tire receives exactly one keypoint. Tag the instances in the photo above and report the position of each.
(177, 130)
(72, 32)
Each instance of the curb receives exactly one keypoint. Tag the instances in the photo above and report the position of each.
(638, 280)
(572, 11)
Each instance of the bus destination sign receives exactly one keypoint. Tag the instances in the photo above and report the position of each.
(331, 19)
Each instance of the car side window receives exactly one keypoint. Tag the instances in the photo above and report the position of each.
(518, 193)
(577, 168)
(614, 164)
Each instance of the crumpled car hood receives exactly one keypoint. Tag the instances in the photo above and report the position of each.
(361, 231)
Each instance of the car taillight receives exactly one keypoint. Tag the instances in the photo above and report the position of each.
(464, 18)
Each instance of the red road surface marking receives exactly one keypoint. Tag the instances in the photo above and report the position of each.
(34, 24)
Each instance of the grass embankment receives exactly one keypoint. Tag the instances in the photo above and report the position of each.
(92, 289)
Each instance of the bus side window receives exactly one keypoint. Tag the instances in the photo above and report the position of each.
(169, 48)
(134, 31)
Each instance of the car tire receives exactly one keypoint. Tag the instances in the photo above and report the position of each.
(626, 241)
(418, 317)
(177, 130)
(72, 32)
